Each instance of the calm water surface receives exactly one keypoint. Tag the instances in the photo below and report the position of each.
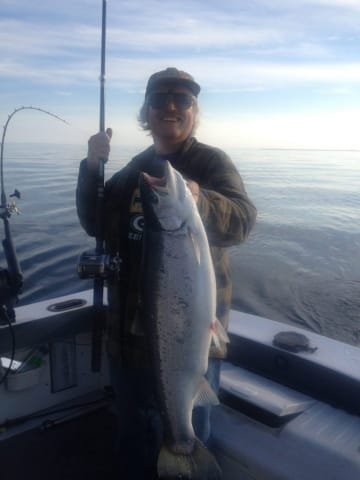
(301, 264)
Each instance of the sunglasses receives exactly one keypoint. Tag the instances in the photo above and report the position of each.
(160, 100)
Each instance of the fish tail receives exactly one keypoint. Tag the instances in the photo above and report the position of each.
(200, 464)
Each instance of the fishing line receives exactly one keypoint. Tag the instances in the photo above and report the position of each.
(3, 197)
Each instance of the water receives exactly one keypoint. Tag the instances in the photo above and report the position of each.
(302, 262)
(300, 266)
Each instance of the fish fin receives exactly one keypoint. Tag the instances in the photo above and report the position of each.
(205, 395)
(218, 334)
(200, 464)
(195, 245)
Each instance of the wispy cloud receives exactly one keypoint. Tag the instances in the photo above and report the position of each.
(126, 73)
(241, 49)
(192, 26)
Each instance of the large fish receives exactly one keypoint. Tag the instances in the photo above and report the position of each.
(178, 301)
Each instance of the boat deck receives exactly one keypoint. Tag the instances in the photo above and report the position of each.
(279, 406)
(79, 448)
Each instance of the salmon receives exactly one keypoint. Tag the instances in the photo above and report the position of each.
(178, 301)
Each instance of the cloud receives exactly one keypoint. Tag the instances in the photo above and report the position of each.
(225, 74)
(63, 93)
(24, 39)
(264, 28)
(217, 74)
(261, 50)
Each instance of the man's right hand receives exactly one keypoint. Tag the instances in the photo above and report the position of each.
(98, 149)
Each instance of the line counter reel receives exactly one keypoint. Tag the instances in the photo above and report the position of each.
(94, 265)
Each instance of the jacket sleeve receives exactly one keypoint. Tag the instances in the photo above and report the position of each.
(86, 193)
(226, 210)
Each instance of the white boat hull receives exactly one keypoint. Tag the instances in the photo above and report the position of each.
(265, 428)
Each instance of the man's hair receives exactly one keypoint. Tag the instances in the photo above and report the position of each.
(144, 111)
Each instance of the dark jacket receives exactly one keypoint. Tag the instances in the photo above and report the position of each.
(227, 213)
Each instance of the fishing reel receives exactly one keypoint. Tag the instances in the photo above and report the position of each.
(94, 265)
(11, 278)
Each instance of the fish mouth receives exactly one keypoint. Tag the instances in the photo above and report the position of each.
(152, 188)
(160, 199)
(154, 182)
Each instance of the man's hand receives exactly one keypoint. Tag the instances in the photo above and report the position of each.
(98, 149)
(194, 189)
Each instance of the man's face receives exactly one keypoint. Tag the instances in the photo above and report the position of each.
(171, 122)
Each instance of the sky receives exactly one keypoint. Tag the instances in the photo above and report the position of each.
(274, 73)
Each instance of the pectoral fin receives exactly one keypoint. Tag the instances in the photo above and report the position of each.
(218, 334)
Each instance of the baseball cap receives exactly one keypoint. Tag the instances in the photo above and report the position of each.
(172, 75)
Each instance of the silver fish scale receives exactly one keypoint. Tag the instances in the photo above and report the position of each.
(178, 298)
(184, 310)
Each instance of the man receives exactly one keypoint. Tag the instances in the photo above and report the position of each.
(170, 112)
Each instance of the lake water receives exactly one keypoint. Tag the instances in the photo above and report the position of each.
(300, 266)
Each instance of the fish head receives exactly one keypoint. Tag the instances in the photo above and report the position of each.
(167, 201)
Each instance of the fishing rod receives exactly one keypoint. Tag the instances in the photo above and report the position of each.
(99, 249)
(11, 279)
(96, 264)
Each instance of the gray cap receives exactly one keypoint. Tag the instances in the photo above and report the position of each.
(174, 76)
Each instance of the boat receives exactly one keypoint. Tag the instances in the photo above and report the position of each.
(289, 398)
(289, 407)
